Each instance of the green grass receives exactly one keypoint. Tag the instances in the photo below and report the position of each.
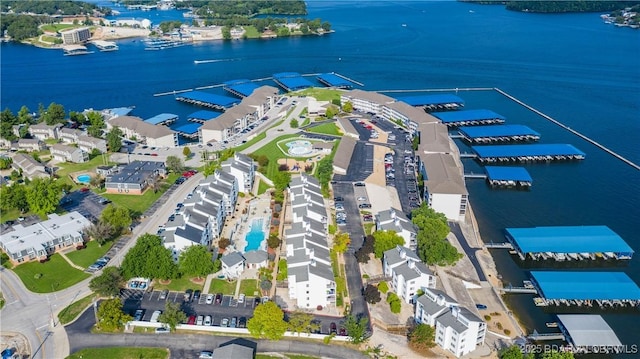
(265, 356)
(68, 314)
(263, 187)
(88, 256)
(273, 153)
(321, 94)
(326, 128)
(140, 203)
(305, 122)
(251, 142)
(57, 27)
(249, 287)
(121, 353)
(178, 285)
(368, 227)
(56, 273)
(251, 32)
(222, 286)
(12, 214)
(67, 168)
(277, 124)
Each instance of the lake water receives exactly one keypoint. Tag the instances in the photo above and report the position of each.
(572, 67)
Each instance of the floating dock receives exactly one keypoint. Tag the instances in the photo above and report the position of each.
(162, 119)
(207, 100)
(568, 243)
(73, 50)
(291, 81)
(188, 130)
(469, 118)
(437, 102)
(527, 153)
(587, 332)
(332, 80)
(502, 176)
(498, 133)
(105, 46)
(605, 289)
(202, 116)
(241, 88)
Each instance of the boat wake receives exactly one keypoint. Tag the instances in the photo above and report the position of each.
(211, 61)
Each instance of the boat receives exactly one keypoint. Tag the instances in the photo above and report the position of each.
(551, 324)
(573, 256)
(404, 25)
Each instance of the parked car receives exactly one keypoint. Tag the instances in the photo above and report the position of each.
(234, 322)
(218, 298)
(206, 354)
(481, 306)
(207, 320)
(155, 316)
(361, 198)
(224, 322)
(187, 295)
(138, 315)
(339, 207)
(242, 322)
(333, 328)
(196, 296)
(241, 299)
(162, 330)
(191, 320)
(209, 299)
(343, 331)
(200, 320)
(364, 205)
(359, 184)
(338, 199)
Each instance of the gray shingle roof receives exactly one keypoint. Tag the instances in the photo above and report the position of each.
(393, 256)
(301, 273)
(322, 271)
(257, 256)
(190, 233)
(448, 320)
(232, 259)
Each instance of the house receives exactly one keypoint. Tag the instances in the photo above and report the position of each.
(88, 144)
(323, 147)
(232, 265)
(242, 168)
(64, 153)
(42, 239)
(256, 259)
(29, 167)
(134, 128)
(395, 220)
(30, 144)
(407, 274)
(458, 330)
(135, 177)
(316, 108)
(42, 131)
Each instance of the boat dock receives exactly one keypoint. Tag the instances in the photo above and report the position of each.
(439, 102)
(499, 176)
(105, 46)
(565, 243)
(498, 133)
(73, 50)
(162, 119)
(587, 333)
(205, 99)
(538, 337)
(331, 79)
(202, 116)
(241, 88)
(527, 153)
(291, 81)
(551, 119)
(469, 118)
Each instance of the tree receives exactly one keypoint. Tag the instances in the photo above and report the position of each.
(149, 259)
(273, 241)
(95, 181)
(174, 164)
(383, 287)
(14, 196)
(371, 294)
(196, 261)
(43, 196)
(422, 338)
(356, 328)
(96, 124)
(300, 322)
(118, 217)
(294, 123)
(341, 242)
(385, 240)
(114, 139)
(108, 283)
(54, 114)
(186, 151)
(281, 180)
(172, 315)
(110, 315)
(347, 107)
(394, 302)
(362, 254)
(267, 322)
(224, 242)
(511, 352)
(100, 231)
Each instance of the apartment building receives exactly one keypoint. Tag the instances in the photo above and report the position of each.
(42, 131)
(30, 144)
(134, 128)
(29, 167)
(135, 177)
(242, 167)
(408, 274)
(64, 153)
(395, 220)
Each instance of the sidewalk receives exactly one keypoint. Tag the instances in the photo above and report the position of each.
(70, 262)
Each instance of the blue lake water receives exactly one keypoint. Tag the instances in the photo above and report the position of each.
(255, 237)
(572, 67)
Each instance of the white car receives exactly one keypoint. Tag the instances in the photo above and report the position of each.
(241, 299)
(209, 298)
(155, 316)
(362, 198)
(207, 320)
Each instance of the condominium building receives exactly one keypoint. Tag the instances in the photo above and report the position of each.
(134, 128)
(395, 220)
(42, 131)
(30, 144)
(75, 36)
(29, 167)
(64, 153)
(135, 177)
(444, 187)
(408, 274)
(242, 167)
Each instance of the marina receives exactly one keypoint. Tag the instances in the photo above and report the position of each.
(162, 44)
(498, 133)
(291, 81)
(437, 102)
(205, 99)
(74, 50)
(202, 116)
(162, 119)
(105, 46)
(333, 80)
(527, 153)
(503, 176)
(469, 117)
(241, 88)
(587, 332)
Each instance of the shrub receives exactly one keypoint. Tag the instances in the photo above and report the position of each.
(283, 167)
(383, 287)
(37, 275)
(495, 314)
(487, 317)
(507, 332)
(365, 276)
(499, 325)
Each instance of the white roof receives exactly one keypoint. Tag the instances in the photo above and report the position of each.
(588, 330)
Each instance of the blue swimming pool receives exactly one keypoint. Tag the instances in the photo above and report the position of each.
(85, 178)
(256, 236)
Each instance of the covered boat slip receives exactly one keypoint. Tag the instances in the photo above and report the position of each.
(434, 102)
(469, 117)
(162, 119)
(188, 130)
(498, 133)
(587, 330)
(203, 116)
(333, 80)
(611, 289)
(207, 99)
(508, 176)
(291, 81)
(568, 242)
(241, 88)
(527, 152)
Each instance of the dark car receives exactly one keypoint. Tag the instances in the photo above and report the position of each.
(333, 328)
(338, 199)
(242, 322)
(343, 331)
(364, 205)
(196, 295)
(218, 298)
(481, 306)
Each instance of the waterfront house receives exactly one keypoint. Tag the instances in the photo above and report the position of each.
(242, 168)
(135, 177)
(29, 167)
(232, 265)
(64, 153)
(395, 220)
(458, 330)
(42, 131)
(42, 239)
(134, 128)
(408, 274)
(30, 144)
(69, 135)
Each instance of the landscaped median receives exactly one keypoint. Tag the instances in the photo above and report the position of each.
(121, 353)
(51, 276)
(70, 313)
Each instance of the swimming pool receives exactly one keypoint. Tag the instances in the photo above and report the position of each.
(256, 236)
(84, 178)
(299, 148)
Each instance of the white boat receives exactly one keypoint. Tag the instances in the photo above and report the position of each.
(609, 255)
(573, 256)
(560, 256)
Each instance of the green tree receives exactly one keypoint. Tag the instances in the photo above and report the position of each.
(267, 322)
(7, 120)
(25, 116)
(422, 338)
(54, 114)
(356, 328)
(300, 322)
(341, 242)
(43, 196)
(433, 247)
(511, 352)
(96, 124)
(100, 231)
(347, 107)
(118, 217)
(174, 164)
(172, 315)
(14, 196)
(383, 287)
(394, 302)
(281, 180)
(149, 259)
(108, 283)
(186, 151)
(5, 163)
(385, 240)
(195, 261)
(110, 315)
(114, 139)
(371, 294)
(273, 241)
(294, 123)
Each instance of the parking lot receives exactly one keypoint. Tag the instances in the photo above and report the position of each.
(87, 203)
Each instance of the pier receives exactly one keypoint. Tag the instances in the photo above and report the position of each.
(349, 79)
(538, 337)
(551, 119)
(469, 117)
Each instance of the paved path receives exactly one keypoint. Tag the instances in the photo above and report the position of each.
(64, 256)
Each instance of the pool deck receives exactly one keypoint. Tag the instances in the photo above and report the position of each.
(257, 207)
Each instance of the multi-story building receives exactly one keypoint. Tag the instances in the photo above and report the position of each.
(29, 167)
(88, 144)
(232, 265)
(242, 168)
(458, 330)
(395, 220)
(69, 135)
(408, 275)
(66, 153)
(42, 131)
(30, 144)
(75, 36)
(444, 187)
(135, 177)
(366, 101)
(42, 239)
(226, 185)
(134, 128)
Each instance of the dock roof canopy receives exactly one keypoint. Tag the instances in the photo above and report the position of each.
(291, 81)
(431, 100)
(207, 99)
(204, 115)
(535, 149)
(568, 239)
(587, 330)
(503, 173)
(497, 131)
(333, 80)
(586, 285)
(242, 88)
(161, 118)
(467, 115)
(188, 128)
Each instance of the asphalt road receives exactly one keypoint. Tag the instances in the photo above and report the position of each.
(468, 251)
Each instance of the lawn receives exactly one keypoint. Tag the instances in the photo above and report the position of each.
(249, 287)
(121, 353)
(263, 187)
(178, 285)
(53, 275)
(140, 203)
(66, 168)
(368, 227)
(251, 32)
(273, 153)
(326, 128)
(68, 314)
(88, 256)
(57, 27)
(222, 286)
(246, 145)
(321, 94)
